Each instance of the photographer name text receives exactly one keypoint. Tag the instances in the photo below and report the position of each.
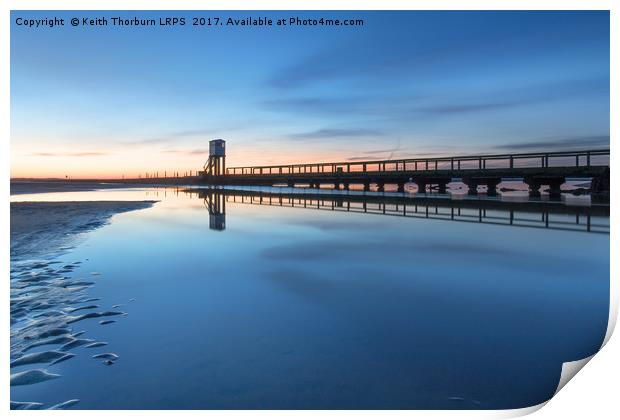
(182, 21)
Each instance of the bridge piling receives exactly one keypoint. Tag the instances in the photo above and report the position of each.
(492, 184)
(472, 185)
(421, 187)
(442, 187)
(533, 186)
(555, 188)
(601, 186)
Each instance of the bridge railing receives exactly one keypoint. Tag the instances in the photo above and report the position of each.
(506, 161)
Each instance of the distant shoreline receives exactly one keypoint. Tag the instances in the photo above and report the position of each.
(24, 186)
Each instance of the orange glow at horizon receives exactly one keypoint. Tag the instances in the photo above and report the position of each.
(137, 163)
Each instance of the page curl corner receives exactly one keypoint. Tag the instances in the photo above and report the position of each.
(569, 370)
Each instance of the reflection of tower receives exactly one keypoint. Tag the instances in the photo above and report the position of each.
(216, 164)
(216, 205)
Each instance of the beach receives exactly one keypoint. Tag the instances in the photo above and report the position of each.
(46, 297)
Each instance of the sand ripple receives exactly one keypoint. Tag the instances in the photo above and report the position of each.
(46, 300)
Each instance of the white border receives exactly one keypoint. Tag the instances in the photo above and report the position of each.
(595, 391)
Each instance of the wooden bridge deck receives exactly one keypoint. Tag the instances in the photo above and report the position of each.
(535, 169)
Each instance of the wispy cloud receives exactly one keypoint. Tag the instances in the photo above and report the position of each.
(153, 141)
(328, 133)
(420, 106)
(342, 104)
(464, 108)
(72, 154)
(193, 133)
(385, 106)
(350, 60)
(187, 152)
(356, 158)
(378, 154)
(560, 143)
(172, 136)
(383, 57)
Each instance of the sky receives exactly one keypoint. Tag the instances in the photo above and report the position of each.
(107, 102)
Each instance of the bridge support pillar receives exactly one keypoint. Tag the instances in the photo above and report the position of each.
(492, 186)
(472, 186)
(533, 186)
(555, 189)
(421, 187)
(600, 187)
(401, 187)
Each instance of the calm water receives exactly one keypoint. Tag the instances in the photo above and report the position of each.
(280, 307)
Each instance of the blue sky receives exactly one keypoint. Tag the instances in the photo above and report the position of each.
(108, 101)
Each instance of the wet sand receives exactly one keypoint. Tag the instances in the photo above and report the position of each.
(46, 299)
(40, 229)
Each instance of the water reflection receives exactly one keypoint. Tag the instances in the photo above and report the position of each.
(216, 205)
(533, 214)
(291, 307)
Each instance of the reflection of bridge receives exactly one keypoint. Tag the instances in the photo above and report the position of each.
(535, 169)
(535, 214)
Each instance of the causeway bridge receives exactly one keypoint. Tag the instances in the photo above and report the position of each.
(535, 169)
